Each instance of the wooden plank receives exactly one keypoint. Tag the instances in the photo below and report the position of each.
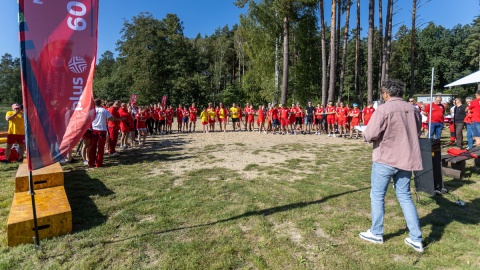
(50, 176)
(54, 216)
(456, 174)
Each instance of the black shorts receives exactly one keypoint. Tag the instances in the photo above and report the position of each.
(309, 120)
(234, 120)
(161, 122)
(298, 120)
(318, 121)
(276, 122)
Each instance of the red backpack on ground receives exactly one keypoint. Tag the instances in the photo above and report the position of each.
(13, 154)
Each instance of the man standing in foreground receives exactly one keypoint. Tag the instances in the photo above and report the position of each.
(394, 128)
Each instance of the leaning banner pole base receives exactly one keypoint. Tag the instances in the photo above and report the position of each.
(31, 192)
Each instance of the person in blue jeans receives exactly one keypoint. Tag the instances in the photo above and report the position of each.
(468, 124)
(436, 125)
(394, 130)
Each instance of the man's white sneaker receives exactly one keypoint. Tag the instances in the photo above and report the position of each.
(417, 246)
(369, 236)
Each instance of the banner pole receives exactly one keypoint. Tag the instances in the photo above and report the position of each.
(31, 192)
(431, 105)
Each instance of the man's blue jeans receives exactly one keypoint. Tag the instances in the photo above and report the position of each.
(469, 136)
(436, 128)
(381, 175)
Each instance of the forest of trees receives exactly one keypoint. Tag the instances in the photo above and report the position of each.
(282, 51)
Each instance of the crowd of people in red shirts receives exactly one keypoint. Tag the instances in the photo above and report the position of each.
(129, 125)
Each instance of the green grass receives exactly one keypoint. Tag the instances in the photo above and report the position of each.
(142, 212)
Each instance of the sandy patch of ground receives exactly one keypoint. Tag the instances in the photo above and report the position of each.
(242, 152)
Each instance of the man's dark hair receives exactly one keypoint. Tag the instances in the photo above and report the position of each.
(393, 87)
(98, 102)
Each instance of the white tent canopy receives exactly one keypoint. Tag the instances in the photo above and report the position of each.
(472, 78)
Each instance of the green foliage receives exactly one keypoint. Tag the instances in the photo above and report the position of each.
(10, 87)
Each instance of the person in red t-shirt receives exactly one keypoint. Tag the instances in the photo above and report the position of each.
(185, 118)
(162, 120)
(367, 113)
(269, 118)
(355, 115)
(275, 120)
(141, 125)
(436, 124)
(298, 118)
(124, 125)
(193, 117)
(114, 127)
(261, 119)
(179, 117)
(331, 112)
(342, 113)
(169, 119)
(156, 126)
(291, 118)
(318, 119)
(251, 118)
(284, 116)
(474, 110)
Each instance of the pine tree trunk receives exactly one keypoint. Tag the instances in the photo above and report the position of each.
(331, 89)
(387, 42)
(371, 7)
(380, 48)
(283, 99)
(324, 54)
(357, 55)
(344, 52)
(412, 49)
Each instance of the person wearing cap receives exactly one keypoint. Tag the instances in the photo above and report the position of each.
(16, 131)
(355, 115)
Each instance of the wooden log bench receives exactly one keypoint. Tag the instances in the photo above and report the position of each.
(454, 166)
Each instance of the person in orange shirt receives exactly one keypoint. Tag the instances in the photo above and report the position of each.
(355, 115)
(269, 118)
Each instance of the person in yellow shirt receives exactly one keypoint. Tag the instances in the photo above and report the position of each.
(222, 117)
(204, 117)
(211, 116)
(16, 131)
(234, 112)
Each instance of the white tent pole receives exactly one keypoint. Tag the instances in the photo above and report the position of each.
(431, 105)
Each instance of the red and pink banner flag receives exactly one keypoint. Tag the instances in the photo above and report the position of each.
(164, 101)
(58, 53)
(133, 98)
